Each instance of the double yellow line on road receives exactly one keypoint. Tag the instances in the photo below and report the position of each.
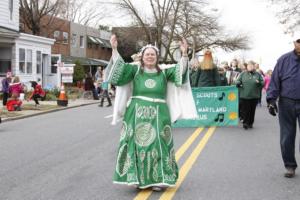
(169, 193)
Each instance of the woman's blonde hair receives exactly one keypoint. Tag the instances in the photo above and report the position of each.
(16, 79)
(207, 62)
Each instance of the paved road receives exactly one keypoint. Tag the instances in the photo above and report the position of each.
(70, 155)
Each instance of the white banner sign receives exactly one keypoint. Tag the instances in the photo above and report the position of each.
(66, 70)
(67, 78)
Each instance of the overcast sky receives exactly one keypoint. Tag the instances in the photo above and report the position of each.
(247, 16)
(252, 16)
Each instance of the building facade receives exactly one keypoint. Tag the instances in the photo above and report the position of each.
(9, 31)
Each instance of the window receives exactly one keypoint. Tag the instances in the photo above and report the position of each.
(29, 61)
(22, 60)
(5, 66)
(38, 62)
(11, 8)
(54, 60)
(56, 34)
(81, 42)
(74, 40)
(65, 37)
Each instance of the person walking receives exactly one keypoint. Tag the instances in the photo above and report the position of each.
(146, 156)
(207, 72)
(250, 83)
(5, 87)
(105, 94)
(285, 86)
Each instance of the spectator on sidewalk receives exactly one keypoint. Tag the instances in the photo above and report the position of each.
(5, 87)
(285, 82)
(90, 86)
(37, 93)
(15, 89)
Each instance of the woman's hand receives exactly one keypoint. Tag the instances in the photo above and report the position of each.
(184, 47)
(114, 42)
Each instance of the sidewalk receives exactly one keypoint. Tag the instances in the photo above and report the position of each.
(29, 109)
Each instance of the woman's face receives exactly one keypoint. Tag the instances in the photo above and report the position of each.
(250, 67)
(149, 58)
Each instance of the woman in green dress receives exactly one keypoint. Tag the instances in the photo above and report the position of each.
(146, 156)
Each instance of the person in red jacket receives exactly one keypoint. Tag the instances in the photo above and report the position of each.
(37, 93)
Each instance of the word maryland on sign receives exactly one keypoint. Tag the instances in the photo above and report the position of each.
(216, 106)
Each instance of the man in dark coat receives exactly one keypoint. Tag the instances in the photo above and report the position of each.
(285, 85)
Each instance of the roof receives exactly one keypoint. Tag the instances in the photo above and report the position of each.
(84, 61)
(5, 32)
(100, 41)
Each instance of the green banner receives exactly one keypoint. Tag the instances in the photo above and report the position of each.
(216, 106)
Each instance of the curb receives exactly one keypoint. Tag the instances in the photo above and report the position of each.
(46, 111)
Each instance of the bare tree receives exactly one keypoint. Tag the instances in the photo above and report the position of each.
(204, 31)
(288, 13)
(33, 11)
(176, 18)
(83, 12)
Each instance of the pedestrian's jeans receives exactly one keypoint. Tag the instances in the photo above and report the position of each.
(289, 113)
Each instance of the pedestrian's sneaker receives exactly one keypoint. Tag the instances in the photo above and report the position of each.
(290, 172)
(245, 126)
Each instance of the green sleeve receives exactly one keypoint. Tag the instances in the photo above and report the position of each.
(122, 73)
(173, 74)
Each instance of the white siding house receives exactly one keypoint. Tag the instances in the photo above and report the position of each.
(9, 17)
(9, 31)
(25, 55)
(33, 56)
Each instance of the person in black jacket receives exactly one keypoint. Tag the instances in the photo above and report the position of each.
(207, 74)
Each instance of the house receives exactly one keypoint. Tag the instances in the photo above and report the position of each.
(9, 31)
(25, 55)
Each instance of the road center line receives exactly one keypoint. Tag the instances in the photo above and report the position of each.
(170, 192)
(145, 194)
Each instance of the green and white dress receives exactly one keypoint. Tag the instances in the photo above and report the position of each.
(146, 154)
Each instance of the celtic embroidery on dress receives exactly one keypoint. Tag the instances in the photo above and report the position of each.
(155, 164)
(146, 112)
(150, 83)
(178, 75)
(117, 70)
(145, 134)
(166, 134)
(123, 160)
(123, 131)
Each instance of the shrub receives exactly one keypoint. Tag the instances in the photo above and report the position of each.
(78, 72)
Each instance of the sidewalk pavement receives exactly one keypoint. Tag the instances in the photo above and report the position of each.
(29, 109)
